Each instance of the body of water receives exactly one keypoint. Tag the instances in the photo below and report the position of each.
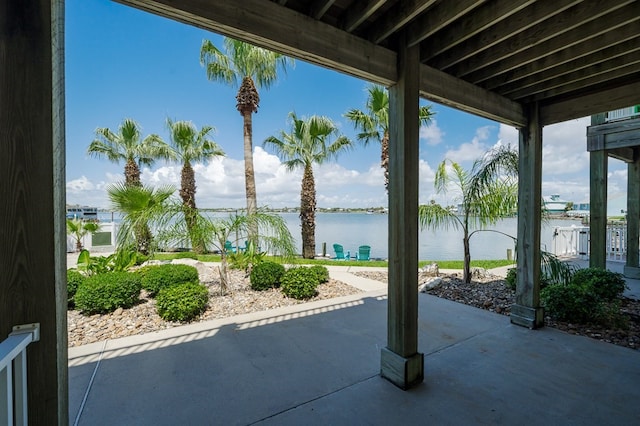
(355, 229)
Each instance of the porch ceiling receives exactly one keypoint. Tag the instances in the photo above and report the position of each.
(575, 58)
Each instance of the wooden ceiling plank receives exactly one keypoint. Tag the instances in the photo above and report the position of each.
(440, 87)
(609, 40)
(487, 65)
(468, 26)
(597, 57)
(599, 73)
(592, 103)
(518, 32)
(442, 14)
(319, 8)
(400, 15)
(358, 13)
(274, 27)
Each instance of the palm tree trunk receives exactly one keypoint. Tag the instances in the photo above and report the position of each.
(132, 173)
(188, 195)
(384, 158)
(142, 232)
(308, 213)
(467, 257)
(249, 175)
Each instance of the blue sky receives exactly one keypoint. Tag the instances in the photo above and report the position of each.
(124, 63)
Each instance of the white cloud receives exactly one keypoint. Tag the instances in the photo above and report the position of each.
(470, 151)
(431, 133)
(564, 149)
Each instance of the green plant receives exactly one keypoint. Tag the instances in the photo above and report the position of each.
(156, 277)
(511, 279)
(120, 261)
(182, 302)
(266, 275)
(103, 293)
(605, 284)
(299, 283)
(79, 228)
(570, 303)
(74, 280)
(321, 272)
(247, 258)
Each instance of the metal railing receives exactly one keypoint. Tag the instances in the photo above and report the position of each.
(623, 113)
(13, 374)
(575, 241)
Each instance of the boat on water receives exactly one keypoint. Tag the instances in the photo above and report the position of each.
(82, 212)
(554, 204)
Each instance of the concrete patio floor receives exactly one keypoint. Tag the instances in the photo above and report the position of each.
(318, 364)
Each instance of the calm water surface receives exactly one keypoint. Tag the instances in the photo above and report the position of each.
(354, 229)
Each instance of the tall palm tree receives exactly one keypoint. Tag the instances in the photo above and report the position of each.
(141, 206)
(129, 147)
(190, 145)
(488, 192)
(249, 68)
(373, 123)
(306, 145)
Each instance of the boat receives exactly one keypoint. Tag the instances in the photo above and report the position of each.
(554, 204)
(82, 212)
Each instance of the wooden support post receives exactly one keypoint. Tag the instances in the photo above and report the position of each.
(400, 361)
(598, 199)
(632, 266)
(527, 311)
(32, 227)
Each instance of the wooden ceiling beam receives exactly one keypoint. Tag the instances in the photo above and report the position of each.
(609, 41)
(358, 13)
(584, 62)
(442, 14)
(266, 24)
(582, 79)
(484, 67)
(319, 8)
(485, 16)
(597, 101)
(397, 18)
(521, 30)
(441, 87)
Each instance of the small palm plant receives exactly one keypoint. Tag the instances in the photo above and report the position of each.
(79, 228)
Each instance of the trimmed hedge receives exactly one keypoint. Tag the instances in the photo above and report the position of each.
(321, 272)
(182, 302)
(266, 275)
(74, 279)
(299, 283)
(605, 284)
(104, 293)
(157, 277)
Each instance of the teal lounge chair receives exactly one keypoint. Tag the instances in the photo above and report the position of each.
(363, 253)
(340, 255)
(228, 247)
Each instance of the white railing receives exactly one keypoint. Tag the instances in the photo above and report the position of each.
(13, 374)
(574, 241)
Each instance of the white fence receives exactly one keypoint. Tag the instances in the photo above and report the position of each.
(574, 241)
(13, 374)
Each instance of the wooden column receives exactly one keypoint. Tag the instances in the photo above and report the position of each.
(632, 266)
(400, 361)
(527, 311)
(598, 170)
(32, 233)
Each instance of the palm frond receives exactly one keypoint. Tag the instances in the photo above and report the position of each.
(434, 216)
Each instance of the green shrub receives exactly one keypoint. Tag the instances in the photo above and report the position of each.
(321, 272)
(74, 279)
(511, 279)
(605, 284)
(571, 303)
(157, 277)
(299, 283)
(182, 302)
(266, 275)
(103, 293)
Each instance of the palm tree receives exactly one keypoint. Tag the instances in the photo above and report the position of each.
(487, 193)
(141, 206)
(254, 68)
(306, 145)
(79, 228)
(191, 145)
(373, 123)
(128, 146)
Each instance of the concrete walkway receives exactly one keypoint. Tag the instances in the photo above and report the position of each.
(318, 364)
